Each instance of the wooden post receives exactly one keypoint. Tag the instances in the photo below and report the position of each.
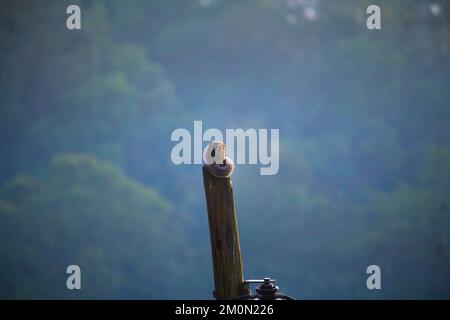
(226, 251)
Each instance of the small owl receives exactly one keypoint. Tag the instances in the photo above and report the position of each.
(216, 161)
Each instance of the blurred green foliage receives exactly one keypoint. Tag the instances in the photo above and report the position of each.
(85, 124)
(89, 213)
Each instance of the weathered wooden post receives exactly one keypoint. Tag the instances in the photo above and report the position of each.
(226, 252)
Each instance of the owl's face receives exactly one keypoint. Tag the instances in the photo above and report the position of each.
(215, 152)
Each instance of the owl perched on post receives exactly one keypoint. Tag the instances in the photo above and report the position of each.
(216, 161)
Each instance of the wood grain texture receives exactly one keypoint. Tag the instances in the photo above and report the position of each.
(226, 252)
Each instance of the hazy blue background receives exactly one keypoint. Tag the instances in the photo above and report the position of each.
(85, 124)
